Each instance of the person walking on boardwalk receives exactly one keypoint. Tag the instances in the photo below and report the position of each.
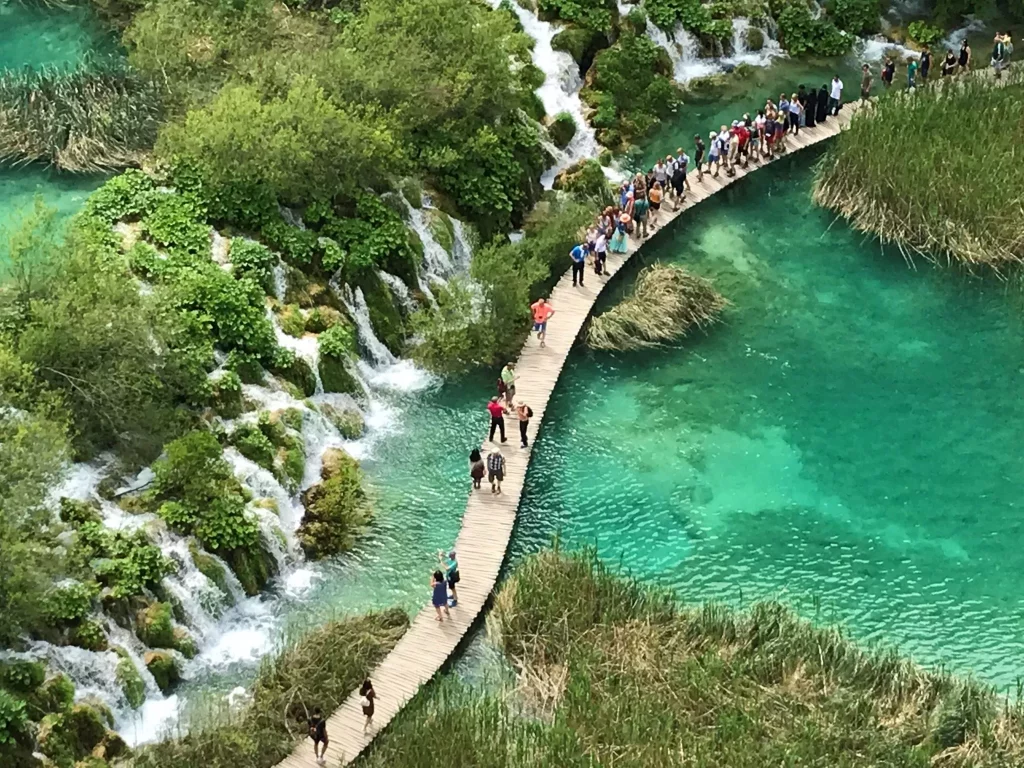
(964, 59)
(949, 64)
(795, 110)
(508, 378)
(578, 256)
(888, 72)
(451, 574)
(655, 197)
(476, 467)
(367, 697)
(835, 98)
(439, 595)
(600, 252)
(698, 155)
(525, 413)
(497, 411)
(926, 63)
(912, 67)
(679, 182)
(542, 312)
(318, 733)
(619, 242)
(640, 208)
(998, 54)
(865, 83)
(713, 154)
(495, 468)
(822, 114)
(682, 159)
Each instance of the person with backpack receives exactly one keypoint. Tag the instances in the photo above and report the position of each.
(367, 697)
(640, 208)
(999, 55)
(318, 733)
(495, 468)
(451, 574)
(525, 413)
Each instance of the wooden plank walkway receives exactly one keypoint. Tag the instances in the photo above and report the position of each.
(488, 520)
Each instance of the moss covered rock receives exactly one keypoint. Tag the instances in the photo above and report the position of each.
(54, 696)
(441, 228)
(212, 569)
(385, 315)
(75, 512)
(336, 376)
(22, 676)
(337, 509)
(322, 318)
(755, 39)
(582, 44)
(562, 129)
(253, 567)
(129, 679)
(295, 370)
(89, 635)
(348, 421)
(164, 669)
(154, 627)
(184, 643)
(584, 180)
(71, 736)
(226, 396)
(290, 463)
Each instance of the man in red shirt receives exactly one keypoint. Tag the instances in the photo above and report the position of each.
(497, 411)
(743, 134)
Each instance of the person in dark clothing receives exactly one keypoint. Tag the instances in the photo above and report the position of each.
(366, 702)
(822, 108)
(318, 733)
(811, 111)
(525, 413)
(801, 96)
(949, 64)
(698, 155)
(476, 467)
(926, 63)
(578, 255)
(497, 411)
(888, 72)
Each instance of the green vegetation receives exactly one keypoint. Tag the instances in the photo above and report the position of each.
(801, 33)
(966, 215)
(337, 508)
(462, 331)
(923, 33)
(857, 17)
(99, 117)
(319, 670)
(666, 302)
(597, 15)
(630, 89)
(612, 672)
(696, 17)
(562, 129)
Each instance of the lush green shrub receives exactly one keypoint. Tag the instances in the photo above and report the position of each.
(337, 349)
(692, 14)
(70, 736)
(923, 33)
(178, 223)
(585, 181)
(12, 719)
(246, 366)
(598, 15)
(294, 370)
(22, 676)
(337, 508)
(128, 196)
(75, 512)
(89, 635)
(254, 445)
(128, 677)
(226, 395)
(210, 502)
(253, 260)
(562, 129)
(858, 17)
(631, 90)
(800, 33)
(53, 696)
(126, 562)
(292, 321)
(70, 602)
(154, 627)
(322, 318)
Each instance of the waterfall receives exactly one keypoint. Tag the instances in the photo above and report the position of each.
(560, 91)
(280, 282)
(305, 347)
(355, 303)
(462, 251)
(684, 51)
(436, 261)
(740, 52)
(399, 289)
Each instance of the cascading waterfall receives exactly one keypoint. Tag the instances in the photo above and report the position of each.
(560, 91)
(683, 49)
(436, 261)
(741, 54)
(399, 289)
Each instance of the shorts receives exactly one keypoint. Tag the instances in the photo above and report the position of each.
(540, 327)
(678, 186)
(492, 476)
(656, 206)
(454, 579)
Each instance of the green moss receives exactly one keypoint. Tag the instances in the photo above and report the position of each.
(290, 464)
(89, 635)
(562, 129)
(348, 421)
(52, 697)
(584, 180)
(337, 509)
(290, 417)
(226, 397)
(254, 568)
(154, 627)
(384, 313)
(211, 568)
(247, 366)
(336, 377)
(322, 318)
(412, 189)
(128, 677)
(755, 39)
(68, 737)
(292, 321)
(441, 228)
(164, 669)
(296, 371)
(582, 44)
(184, 643)
(254, 445)
(75, 512)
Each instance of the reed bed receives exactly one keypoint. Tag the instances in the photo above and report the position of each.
(99, 117)
(319, 669)
(633, 678)
(937, 171)
(666, 302)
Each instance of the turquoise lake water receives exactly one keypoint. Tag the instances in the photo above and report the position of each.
(847, 439)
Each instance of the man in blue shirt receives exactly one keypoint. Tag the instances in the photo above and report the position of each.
(579, 260)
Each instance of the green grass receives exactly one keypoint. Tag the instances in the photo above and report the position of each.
(937, 171)
(101, 116)
(610, 672)
(318, 670)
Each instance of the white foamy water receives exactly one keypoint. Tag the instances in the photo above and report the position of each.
(876, 48)
(560, 91)
(741, 54)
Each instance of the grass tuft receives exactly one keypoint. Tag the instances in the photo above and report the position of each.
(667, 301)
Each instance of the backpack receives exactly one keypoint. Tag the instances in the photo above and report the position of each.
(529, 412)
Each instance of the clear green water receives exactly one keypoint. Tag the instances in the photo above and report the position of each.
(848, 439)
(36, 37)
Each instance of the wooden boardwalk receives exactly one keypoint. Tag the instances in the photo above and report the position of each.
(488, 520)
